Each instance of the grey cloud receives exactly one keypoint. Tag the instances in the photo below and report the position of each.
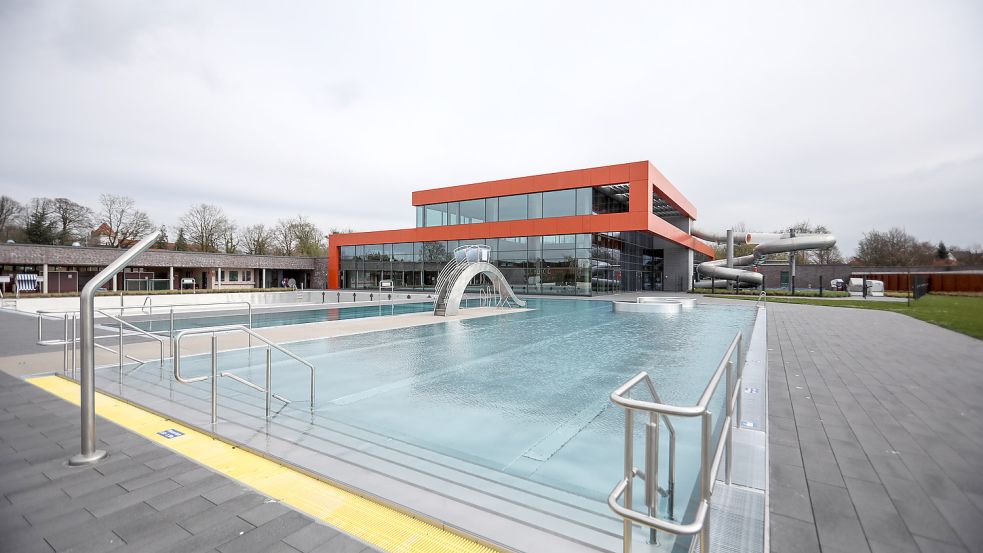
(767, 113)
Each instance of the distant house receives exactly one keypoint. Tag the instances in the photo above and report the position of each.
(100, 236)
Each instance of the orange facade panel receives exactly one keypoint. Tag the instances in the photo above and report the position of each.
(579, 178)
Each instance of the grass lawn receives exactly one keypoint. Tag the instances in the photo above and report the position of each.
(960, 313)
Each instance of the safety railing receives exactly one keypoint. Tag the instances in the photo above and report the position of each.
(70, 339)
(709, 460)
(762, 298)
(215, 374)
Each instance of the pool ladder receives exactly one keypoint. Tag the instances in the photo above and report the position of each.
(710, 457)
(215, 374)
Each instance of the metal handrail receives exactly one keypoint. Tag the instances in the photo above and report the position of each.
(136, 329)
(762, 297)
(708, 466)
(215, 331)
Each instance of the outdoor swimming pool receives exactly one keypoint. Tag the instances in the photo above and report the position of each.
(524, 396)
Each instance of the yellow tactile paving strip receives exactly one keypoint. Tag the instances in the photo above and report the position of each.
(372, 522)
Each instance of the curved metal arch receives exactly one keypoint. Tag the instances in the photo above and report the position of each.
(463, 278)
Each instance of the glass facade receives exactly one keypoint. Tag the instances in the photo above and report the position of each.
(566, 264)
(557, 203)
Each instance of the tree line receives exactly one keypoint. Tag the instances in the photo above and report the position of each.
(118, 223)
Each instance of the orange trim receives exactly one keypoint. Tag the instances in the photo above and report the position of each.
(579, 178)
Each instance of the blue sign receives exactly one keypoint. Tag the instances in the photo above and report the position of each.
(171, 433)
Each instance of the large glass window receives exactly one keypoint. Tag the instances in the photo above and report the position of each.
(403, 252)
(348, 252)
(436, 215)
(512, 208)
(491, 210)
(472, 211)
(559, 203)
(419, 216)
(585, 199)
(452, 210)
(535, 205)
(561, 241)
(374, 252)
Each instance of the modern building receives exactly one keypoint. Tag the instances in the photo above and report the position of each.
(583, 232)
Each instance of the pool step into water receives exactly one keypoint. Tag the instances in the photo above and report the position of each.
(344, 450)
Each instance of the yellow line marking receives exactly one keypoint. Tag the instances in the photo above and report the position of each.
(376, 524)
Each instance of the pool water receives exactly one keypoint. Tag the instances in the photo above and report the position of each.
(262, 319)
(525, 394)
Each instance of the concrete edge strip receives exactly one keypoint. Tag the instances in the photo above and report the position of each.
(372, 522)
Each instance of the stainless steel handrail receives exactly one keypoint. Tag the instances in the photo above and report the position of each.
(87, 383)
(708, 465)
(136, 329)
(215, 331)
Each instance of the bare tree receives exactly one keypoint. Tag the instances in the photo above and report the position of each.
(74, 220)
(282, 238)
(310, 239)
(297, 236)
(894, 247)
(255, 240)
(230, 238)
(124, 221)
(205, 226)
(9, 213)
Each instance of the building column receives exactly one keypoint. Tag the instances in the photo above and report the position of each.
(116, 281)
(263, 283)
(44, 275)
(170, 278)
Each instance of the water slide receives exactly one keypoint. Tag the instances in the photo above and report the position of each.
(767, 243)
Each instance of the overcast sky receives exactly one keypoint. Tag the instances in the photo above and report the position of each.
(857, 115)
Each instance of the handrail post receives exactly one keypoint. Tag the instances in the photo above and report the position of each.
(652, 471)
(729, 446)
(629, 474)
(672, 475)
(706, 479)
(74, 345)
(214, 378)
(65, 347)
(269, 380)
(89, 454)
(740, 376)
(121, 351)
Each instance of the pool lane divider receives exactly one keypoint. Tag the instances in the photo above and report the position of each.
(372, 522)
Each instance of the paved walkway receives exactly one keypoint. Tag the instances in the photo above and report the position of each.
(875, 433)
(143, 498)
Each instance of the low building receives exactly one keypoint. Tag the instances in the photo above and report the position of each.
(589, 231)
(68, 268)
(949, 278)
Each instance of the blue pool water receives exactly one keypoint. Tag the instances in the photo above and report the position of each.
(525, 394)
(278, 318)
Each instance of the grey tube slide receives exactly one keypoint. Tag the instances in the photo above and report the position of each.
(767, 243)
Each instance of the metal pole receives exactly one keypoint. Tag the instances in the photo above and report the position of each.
(269, 380)
(706, 480)
(64, 365)
(730, 248)
(652, 471)
(89, 453)
(74, 345)
(728, 446)
(121, 351)
(740, 377)
(629, 459)
(214, 378)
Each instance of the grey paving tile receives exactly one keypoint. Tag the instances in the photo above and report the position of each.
(310, 537)
(262, 537)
